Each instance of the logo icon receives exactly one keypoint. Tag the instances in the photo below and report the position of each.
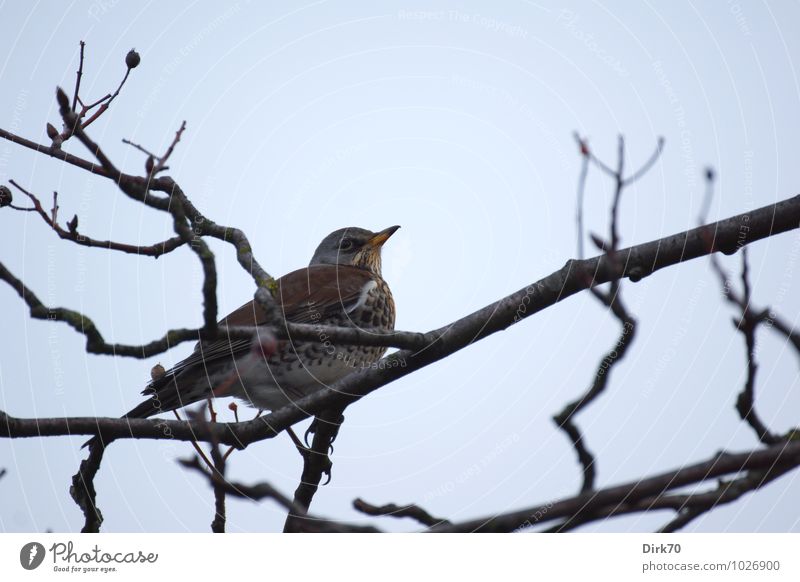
(31, 555)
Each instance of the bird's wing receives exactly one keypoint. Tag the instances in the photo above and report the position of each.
(311, 295)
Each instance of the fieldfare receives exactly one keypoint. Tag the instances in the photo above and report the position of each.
(342, 286)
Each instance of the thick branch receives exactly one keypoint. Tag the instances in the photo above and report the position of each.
(688, 506)
(777, 459)
(635, 263)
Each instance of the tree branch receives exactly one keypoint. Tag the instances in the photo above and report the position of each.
(265, 490)
(82, 490)
(648, 493)
(316, 463)
(154, 250)
(392, 510)
(635, 263)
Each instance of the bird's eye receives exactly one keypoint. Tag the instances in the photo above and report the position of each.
(346, 244)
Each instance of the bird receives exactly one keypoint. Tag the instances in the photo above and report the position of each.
(342, 286)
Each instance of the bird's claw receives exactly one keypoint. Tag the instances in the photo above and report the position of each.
(310, 432)
(327, 470)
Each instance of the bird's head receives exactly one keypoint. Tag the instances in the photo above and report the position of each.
(353, 246)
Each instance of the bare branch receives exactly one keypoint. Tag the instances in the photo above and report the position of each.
(692, 506)
(649, 492)
(96, 344)
(746, 401)
(747, 323)
(106, 102)
(142, 149)
(265, 490)
(316, 463)
(648, 164)
(154, 250)
(82, 489)
(581, 193)
(688, 507)
(78, 79)
(635, 263)
(160, 166)
(391, 510)
(613, 300)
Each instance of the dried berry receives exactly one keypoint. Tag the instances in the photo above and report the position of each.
(132, 59)
(5, 196)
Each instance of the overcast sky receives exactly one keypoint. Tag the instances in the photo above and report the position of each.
(456, 122)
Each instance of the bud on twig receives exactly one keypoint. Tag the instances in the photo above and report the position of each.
(72, 225)
(598, 242)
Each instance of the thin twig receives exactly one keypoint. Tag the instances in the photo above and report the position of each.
(392, 510)
(648, 164)
(265, 490)
(139, 147)
(163, 159)
(612, 299)
(154, 250)
(199, 420)
(746, 324)
(78, 79)
(106, 102)
(746, 401)
(581, 193)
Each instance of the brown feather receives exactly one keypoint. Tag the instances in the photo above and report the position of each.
(310, 295)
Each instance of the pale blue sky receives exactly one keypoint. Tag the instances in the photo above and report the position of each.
(454, 121)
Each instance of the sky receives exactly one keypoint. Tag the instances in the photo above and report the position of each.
(456, 122)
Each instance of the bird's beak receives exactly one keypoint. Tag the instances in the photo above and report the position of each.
(381, 237)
